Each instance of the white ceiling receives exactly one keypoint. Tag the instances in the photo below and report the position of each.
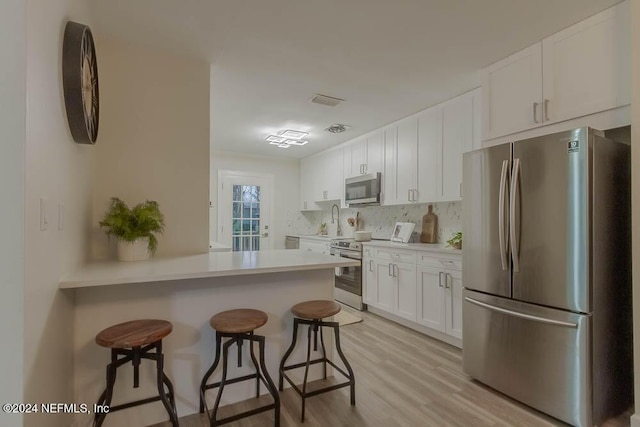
(387, 58)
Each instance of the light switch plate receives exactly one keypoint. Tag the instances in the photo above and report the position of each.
(44, 222)
(60, 217)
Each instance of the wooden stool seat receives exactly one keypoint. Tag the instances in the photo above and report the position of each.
(238, 321)
(135, 333)
(317, 309)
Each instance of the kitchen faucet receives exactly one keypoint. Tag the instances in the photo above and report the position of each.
(338, 231)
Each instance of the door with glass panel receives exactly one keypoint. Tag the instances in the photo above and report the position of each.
(244, 211)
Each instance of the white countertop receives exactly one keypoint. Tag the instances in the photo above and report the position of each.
(430, 247)
(219, 247)
(214, 264)
(315, 237)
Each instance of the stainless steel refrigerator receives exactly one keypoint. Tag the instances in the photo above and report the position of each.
(547, 273)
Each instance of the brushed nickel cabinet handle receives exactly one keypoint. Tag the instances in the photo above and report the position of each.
(545, 107)
(535, 112)
(440, 279)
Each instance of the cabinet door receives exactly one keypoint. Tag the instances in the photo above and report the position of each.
(431, 298)
(370, 282)
(307, 182)
(454, 303)
(333, 174)
(476, 142)
(429, 154)
(407, 164)
(386, 284)
(457, 133)
(586, 68)
(405, 290)
(512, 93)
(390, 175)
(375, 152)
(358, 156)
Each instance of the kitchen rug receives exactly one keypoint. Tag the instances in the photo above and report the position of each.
(346, 318)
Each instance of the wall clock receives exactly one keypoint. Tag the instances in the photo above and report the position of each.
(80, 83)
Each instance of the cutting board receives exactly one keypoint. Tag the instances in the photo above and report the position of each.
(429, 227)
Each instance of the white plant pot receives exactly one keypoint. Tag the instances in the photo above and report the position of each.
(134, 251)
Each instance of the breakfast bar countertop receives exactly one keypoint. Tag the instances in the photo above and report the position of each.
(215, 264)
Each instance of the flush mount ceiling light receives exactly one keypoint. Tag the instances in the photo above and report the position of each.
(287, 138)
(295, 142)
(276, 138)
(295, 134)
(337, 128)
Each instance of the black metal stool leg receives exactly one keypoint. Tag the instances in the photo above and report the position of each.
(223, 380)
(160, 377)
(270, 385)
(306, 372)
(324, 355)
(288, 353)
(255, 363)
(107, 394)
(352, 380)
(207, 375)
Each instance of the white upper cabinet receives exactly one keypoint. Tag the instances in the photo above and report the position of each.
(512, 93)
(400, 176)
(457, 136)
(582, 70)
(365, 155)
(309, 172)
(429, 154)
(586, 68)
(332, 183)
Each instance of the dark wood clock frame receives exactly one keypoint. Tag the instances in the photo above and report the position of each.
(80, 83)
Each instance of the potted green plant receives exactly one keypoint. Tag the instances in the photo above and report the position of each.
(134, 228)
(456, 240)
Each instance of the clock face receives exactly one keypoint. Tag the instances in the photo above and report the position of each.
(80, 79)
(90, 86)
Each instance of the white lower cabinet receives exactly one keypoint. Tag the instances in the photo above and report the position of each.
(431, 298)
(313, 245)
(426, 290)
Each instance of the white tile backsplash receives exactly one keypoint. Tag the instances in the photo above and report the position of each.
(380, 220)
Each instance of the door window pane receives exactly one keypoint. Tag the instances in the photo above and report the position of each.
(246, 218)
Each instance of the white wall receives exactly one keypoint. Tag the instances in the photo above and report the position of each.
(12, 162)
(58, 170)
(154, 142)
(635, 196)
(286, 190)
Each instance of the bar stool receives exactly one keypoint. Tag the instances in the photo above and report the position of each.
(135, 340)
(238, 325)
(311, 313)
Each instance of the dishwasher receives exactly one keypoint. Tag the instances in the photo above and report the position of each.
(292, 242)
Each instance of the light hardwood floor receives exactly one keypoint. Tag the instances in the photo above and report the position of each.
(403, 378)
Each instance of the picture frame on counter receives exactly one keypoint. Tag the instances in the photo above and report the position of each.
(402, 232)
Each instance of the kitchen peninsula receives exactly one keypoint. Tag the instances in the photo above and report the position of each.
(187, 291)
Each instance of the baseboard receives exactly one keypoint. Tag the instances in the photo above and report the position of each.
(635, 420)
(419, 328)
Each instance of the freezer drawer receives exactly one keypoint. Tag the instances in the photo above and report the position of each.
(537, 355)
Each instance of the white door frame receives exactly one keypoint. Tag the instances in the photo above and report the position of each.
(224, 213)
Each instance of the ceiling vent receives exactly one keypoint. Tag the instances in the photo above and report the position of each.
(329, 101)
(337, 128)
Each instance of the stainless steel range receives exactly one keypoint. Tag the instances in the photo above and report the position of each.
(348, 281)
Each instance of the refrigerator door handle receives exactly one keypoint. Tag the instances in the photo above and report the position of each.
(501, 228)
(521, 315)
(512, 216)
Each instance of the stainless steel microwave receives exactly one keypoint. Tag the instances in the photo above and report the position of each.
(363, 190)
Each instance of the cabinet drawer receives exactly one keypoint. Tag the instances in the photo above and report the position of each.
(431, 260)
(395, 255)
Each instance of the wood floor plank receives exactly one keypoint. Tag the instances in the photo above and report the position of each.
(403, 379)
